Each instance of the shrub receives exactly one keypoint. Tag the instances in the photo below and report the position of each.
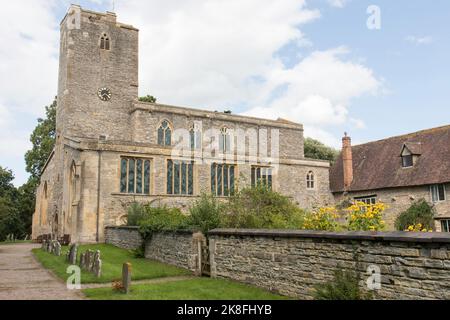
(262, 208)
(205, 214)
(344, 286)
(366, 217)
(323, 219)
(162, 219)
(418, 228)
(420, 212)
(136, 213)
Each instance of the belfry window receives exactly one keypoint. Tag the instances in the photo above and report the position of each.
(165, 134)
(105, 42)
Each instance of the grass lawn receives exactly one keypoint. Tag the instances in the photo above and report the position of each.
(16, 242)
(195, 289)
(112, 260)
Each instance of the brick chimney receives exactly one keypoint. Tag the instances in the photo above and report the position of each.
(347, 161)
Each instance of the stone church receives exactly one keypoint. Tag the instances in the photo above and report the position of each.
(112, 150)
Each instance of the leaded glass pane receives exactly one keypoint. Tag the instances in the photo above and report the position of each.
(198, 140)
(131, 175)
(219, 180)
(192, 137)
(139, 176)
(221, 143)
(183, 178)
(227, 143)
(176, 175)
(161, 136)
(269, 179)
(147, 177)
(226, 190)
(231, 180)
(123, 175)
(168, 137)
(258, 176)
(169, 177)
(191, 179)
(213, 179)
(253, 177)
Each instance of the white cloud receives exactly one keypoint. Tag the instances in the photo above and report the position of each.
(338, 3)
(419, 40)
(320, 90)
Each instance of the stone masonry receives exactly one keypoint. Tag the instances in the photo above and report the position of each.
(124, 237)
(413, 266)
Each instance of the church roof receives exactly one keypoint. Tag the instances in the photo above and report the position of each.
(377, 165)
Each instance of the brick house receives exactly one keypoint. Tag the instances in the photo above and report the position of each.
(397, 171)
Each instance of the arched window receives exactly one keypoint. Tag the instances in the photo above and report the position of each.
(310, 182)
(195, 137)
(105, 42)
(165, 134)
(224, 140)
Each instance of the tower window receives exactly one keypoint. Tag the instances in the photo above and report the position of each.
(105, 43)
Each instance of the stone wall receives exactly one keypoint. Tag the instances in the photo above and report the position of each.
(124, 237)
(175, 248)
(413, 266)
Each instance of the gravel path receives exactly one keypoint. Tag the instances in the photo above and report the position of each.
(23, 278)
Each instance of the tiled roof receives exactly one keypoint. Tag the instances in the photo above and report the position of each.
(377, 165)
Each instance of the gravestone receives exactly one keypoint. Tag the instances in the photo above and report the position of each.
(44, 245)
(49, 246)
(88, 260)
(126, 277)
(57, 249)
(82, 260)
(97, 266)
(73, 254)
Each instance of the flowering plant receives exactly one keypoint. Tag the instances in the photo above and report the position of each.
(366, 217)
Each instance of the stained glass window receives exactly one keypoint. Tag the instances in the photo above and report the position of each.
(180, 178)
(262, 176)
(134, 176)
(222, 179)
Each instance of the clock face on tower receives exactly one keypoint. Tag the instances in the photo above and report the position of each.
(104, 94)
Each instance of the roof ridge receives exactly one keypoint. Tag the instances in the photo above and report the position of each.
(445, 127)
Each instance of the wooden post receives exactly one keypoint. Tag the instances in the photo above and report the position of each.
(126, 277)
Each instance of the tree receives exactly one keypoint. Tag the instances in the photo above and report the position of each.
(43, 140)
(317, 150)
(148, 98)
(7, 189)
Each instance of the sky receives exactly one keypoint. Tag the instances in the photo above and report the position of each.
(374, 69)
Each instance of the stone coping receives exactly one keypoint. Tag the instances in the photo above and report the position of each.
(122, 227)
(159, 232)
(361, 236)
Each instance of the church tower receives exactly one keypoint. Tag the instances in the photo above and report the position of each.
(98, 76)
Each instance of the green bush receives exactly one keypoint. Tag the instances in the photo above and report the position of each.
(344, 286)
(420, 212)
(205, 214)
(162, 219)
(262, 208)
(136, 214)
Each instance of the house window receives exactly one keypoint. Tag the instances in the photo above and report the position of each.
(407, 161)
(262, 176)
(222, 179)
(195, 138)
(445, 224)
(367, 200)
(165, 134)
(104, 42)
(310, 180)
(437, 193)
(224, 141)
(135, 176)
(180, 178)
